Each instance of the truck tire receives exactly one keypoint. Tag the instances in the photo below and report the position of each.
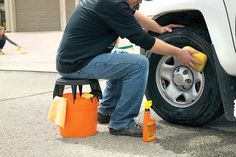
(181, 95)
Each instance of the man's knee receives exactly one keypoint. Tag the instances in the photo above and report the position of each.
(143, 61)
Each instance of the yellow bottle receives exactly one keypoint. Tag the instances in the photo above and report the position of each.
(199, 56)
(149, 125)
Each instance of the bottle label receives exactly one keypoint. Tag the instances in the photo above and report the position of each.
(151, 130)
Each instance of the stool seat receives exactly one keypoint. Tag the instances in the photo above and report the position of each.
(61, 83)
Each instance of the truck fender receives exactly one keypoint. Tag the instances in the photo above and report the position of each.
(227, 85)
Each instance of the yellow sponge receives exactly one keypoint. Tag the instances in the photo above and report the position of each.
(199, 56)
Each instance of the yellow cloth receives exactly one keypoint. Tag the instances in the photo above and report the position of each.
(57, 111)
(87, 95)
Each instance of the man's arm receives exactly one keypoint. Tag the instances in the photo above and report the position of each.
(185, 56)
(163, 48)
(149, 24)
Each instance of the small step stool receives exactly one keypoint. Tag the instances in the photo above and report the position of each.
(61, 83)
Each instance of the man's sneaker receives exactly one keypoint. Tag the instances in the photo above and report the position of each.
(102, 119)
(135, 131)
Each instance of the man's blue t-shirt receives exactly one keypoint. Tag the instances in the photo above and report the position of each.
(92, 29)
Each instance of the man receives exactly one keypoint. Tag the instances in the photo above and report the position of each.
(86, 52)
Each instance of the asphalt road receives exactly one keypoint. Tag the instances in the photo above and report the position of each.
(25, 130)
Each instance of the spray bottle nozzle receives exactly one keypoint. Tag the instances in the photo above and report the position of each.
(148, 104)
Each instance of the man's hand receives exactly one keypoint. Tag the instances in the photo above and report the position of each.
(186, 58)
(168, 28)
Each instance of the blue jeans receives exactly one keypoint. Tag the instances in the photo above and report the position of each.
(126, 76)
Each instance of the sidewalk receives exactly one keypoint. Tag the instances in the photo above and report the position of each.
(41, 48)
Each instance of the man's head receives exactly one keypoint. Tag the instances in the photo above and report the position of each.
(133, 2)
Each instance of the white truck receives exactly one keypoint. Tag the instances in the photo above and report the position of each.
(179, 94)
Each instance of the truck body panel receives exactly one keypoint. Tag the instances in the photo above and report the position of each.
(221, 29)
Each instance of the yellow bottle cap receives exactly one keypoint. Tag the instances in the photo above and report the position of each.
(148, 104)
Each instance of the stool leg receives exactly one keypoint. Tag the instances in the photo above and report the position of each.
(74, 89)
(58, 90)
(55, 91)
(96, 89)
(80, 89)
(61, 90)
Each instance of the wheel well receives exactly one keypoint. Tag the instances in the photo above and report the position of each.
(193, 18)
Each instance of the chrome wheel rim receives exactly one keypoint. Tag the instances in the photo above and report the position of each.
(179, 85)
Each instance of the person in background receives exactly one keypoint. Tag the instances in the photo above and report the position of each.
(87, 51)
(3, 38)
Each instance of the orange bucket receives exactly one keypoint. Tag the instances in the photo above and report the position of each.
(81, 116)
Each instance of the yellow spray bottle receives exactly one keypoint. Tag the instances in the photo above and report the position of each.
(149, 125)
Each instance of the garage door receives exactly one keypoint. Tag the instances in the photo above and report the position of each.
(37, 15)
